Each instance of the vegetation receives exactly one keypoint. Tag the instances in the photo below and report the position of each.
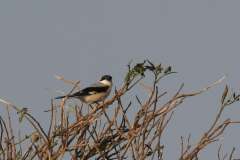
(86, 137)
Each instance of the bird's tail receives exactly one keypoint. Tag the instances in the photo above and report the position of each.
(60, 97)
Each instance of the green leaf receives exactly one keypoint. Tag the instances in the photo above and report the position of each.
(68, 114)
(149, 153)
(35, 137)
(53, 143)
(23, 112)
(189, 146)
(158, 148)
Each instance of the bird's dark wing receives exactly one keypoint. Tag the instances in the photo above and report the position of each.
(96, 87)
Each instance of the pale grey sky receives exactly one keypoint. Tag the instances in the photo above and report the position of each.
(87, 39)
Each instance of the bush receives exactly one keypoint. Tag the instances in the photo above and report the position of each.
(86, 137)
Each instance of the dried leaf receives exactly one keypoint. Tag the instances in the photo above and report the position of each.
(224, 94)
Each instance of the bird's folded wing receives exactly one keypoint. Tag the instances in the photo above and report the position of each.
(95, 89)
(88, 90)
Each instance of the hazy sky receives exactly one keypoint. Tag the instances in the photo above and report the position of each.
(87, 39)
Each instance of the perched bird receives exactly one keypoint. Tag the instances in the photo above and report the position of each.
(95, 93)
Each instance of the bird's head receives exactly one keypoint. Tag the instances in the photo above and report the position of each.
(106, 77)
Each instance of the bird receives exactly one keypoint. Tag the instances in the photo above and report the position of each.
(95, 93)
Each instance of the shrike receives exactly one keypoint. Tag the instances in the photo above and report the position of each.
(95, 93)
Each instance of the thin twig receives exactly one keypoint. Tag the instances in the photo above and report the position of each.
(11, 131)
